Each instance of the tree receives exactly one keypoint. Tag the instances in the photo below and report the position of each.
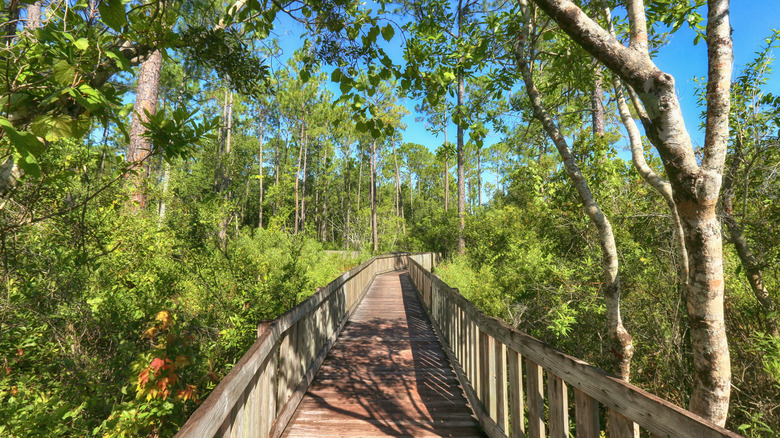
(696, 186)
(621, 347)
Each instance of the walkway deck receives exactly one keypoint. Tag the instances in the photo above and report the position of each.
(386, 376)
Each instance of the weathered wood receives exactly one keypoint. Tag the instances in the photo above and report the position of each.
(619, 426)
(586, 415)
(516, 394)
(534, 399)
(558, 403)
(214, 414)
(386, 376)
(487, 424)
(659, 416)
(266, 387)
(483, 379)
(502, 401)
(492, 377)
(287, 411)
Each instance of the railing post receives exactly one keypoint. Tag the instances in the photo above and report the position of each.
(558, 403)
(516, 394)
(586, 415)
(535, 399)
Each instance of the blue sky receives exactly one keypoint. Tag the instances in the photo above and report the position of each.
(751, 21)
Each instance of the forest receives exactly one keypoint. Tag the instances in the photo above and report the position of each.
(175, 172)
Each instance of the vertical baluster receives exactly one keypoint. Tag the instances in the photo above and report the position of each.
(492, 376)
(474, 356)
(238, 421)
(586, 415)
(285, 368)
(250, 424)
(620, 426)
(535, 399)
(267, 385)
(558, 403)
(483, 378)
(516, 394)
(502, 405)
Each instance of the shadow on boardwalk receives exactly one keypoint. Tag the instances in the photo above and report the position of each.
(386, 376)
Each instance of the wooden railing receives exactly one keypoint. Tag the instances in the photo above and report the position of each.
(259, 396)
(490, 359)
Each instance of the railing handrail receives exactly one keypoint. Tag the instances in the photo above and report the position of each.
(210, 416)
(649, 411)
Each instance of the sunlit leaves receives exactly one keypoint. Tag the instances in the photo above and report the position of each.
(112, 12)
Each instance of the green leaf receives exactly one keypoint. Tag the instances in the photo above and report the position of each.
(388, 32)
(112, 12)
(52, 127)
(373, 33)
(336, 75)
(305, 76)
(64, 74)
(24, 142)
(81, 44)
(121, 60)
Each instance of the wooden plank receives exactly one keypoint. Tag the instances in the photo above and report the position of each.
(212, 413)
(619, 426)
(492, 377)
(516, 394)
(586, 415)
(287, 410)
(486, 423)
(398, 384)
(267, 385)
(659, 416)
(558, 403)
(534, 399)
(502, 401)
(483, 379)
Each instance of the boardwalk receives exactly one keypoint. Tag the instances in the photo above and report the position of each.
(386, 376)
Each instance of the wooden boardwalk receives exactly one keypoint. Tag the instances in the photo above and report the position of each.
(386, 376)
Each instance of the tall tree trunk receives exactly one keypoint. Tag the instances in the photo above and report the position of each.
(446, 172)
(348, 237)
(411, 197)
(140, 147)
(659, 184)
(749, 263)
(298, 176)
(399, 203)
(638, 157)
(324, 215)
(374, 227)
(479, 177)
(303, 187)
(461, 163)
(360, 177)
(223, 166)
(260, 175)
(696, 186)
(622, 348)
(166, 183)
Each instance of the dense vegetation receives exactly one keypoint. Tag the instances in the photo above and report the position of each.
(142, 244)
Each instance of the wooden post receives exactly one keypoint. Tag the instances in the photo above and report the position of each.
(558, 402)
(263, 325)
(502, 405)
(516, 394)
(535, 399)
(484, 369)
(492, 376)
(586, 415)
